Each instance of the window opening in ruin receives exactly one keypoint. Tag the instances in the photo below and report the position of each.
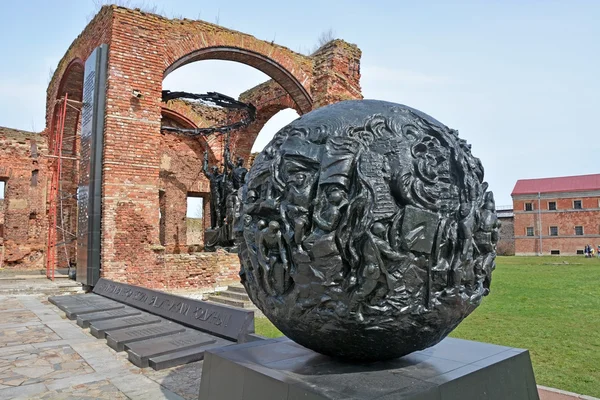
(529, 231)
(2, 188)
(34, 177)
(528, 206)
(194, 220)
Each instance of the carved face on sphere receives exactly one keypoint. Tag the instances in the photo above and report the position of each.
(379, 209)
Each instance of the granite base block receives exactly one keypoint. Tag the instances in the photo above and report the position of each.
(454, 369)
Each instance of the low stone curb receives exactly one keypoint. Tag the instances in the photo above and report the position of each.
(547, 393)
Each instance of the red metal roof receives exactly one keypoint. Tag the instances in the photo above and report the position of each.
(580, 183)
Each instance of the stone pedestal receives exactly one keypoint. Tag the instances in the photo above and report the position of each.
(454, 369)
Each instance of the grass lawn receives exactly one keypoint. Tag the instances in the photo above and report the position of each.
(552, 310)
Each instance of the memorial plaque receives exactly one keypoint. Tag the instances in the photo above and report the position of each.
(117, 339)
(73, 313)
(140, 352)
(89, 198)
(183, 356)
(227, 322)
(85, 319)
(78, 300)
(70, 298)
(98, 328)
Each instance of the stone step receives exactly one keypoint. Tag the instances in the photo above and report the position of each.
(234, 295)
(182, 357)
(46, 290)
(236, 289)
(231, 302)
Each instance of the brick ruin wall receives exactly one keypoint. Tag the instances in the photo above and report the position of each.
(147, 174)
(23, 224)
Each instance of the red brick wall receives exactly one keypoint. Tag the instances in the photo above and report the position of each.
(139, 161)
(200, 270)
(336, 74)
(565, 218)
(24, 208)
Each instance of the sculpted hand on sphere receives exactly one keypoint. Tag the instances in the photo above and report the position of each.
(368, 232)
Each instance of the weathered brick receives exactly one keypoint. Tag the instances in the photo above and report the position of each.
(144, 170)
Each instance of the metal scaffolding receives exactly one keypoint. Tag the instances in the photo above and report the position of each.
(56, 196)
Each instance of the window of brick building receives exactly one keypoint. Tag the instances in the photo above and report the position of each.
(577, 204)
(194, 219)
(528, 206)
(579, 230)
(551, 205)
(579, 251)
(554, 231)
(555, 252)
(529, 231)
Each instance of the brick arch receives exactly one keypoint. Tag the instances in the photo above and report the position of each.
(245, 139)
(263, 62)
(70, 84)
(178, 117)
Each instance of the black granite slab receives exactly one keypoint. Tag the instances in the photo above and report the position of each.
(84, 320)
(74, 312)
(183, 356)
(140, 352)
(78, 300)
(98, 328)
(454, 369)
(226, 322)
(116, 339)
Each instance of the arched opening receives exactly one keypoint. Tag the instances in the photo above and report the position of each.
(264, 64)
(64, 139)
(271, 127)
(183, 181)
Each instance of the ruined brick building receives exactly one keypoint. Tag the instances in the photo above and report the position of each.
(146, 175)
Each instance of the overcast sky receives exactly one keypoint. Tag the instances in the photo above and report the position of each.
(518, 79)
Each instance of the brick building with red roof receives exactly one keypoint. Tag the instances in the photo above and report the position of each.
(556, 215)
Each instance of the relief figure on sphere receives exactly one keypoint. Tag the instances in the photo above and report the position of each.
(368, 217)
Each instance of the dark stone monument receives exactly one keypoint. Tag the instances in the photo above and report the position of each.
(140, 353)
(76, 311)
(367, 231)
(84, 320)
(117, 339)
(98, 328)
(224, 201)
(157, 329)
(227, 322)
(89, 191)
(453, 369)
(367, 234)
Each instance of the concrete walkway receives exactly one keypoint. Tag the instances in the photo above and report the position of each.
(43, 355)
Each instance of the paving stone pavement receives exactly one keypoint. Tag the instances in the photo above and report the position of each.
(43, 355)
